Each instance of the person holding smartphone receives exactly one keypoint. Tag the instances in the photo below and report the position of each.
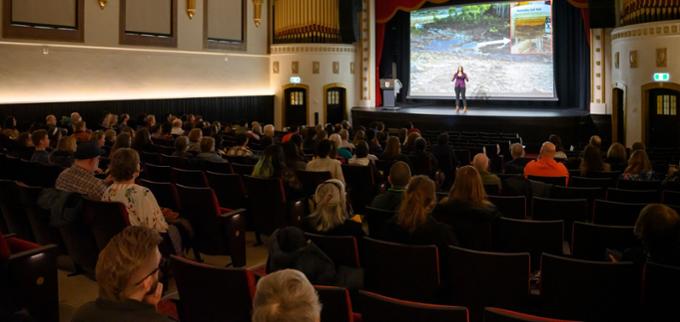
(127, 273)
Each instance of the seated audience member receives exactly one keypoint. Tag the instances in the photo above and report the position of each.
(9, 128)
(272, 164)
(340, 151)
(639, 167)
(399, 176)
(359, 135)
(63, 154)
(208, 151)
(177, 127)
(124, 119)
(423, 162)
(289, 248)
(51, 121)
(595, 141)
(195, 136)
(127, 274)
(295, 160)
(468, 211)
(80, 176)
(557, 141)
(373, 144)
(481, 163)
(392, 151)
(446, 158)
(54, 134)
(181, 147)
(123, 140)
(361, 156)
(98, 139)
(162, 132)
(110, 137)
(322, 162)
(140, 203)
(81, 132)
(591, 161)
(269, 131)
(142, 141)
(241, 148)
(150, 121)
(616, 157)
(638, 146)
(545, 165)
(294, 130)
(344, 135)
(658, 227)
(410, 141)
(286, 295)
(518, 162)
(40, 143)
(329, 215)
(413, 223)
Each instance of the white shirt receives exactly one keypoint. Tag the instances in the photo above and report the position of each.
(327, 164)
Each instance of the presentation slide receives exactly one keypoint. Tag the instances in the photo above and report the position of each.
(505, 48)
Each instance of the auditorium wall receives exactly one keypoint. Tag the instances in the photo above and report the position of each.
(99, 68)
(637, 47)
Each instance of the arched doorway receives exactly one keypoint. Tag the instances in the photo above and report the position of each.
(662, 117)
(295, 104)
(335, 101)
(618, 116)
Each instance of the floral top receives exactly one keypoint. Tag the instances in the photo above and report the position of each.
(642, 176)
(141, 205)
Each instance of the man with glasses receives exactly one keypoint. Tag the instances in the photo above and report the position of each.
(127, 274)
(80, 177)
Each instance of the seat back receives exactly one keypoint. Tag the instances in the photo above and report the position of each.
(105, 219)
(577, 181)
(589, 193)
(569, 210)
(165, 193)
(266, 204)
(150, 157)
(476, 281)
(343, 250)
(562, 181)
(38, 218)
(634, 196)
(590, 290)
(379, 308)
(229, 188)
(510, 206)
(376, 218)
(210, 293)
(175, 162)
(399, 270)
(639, 185)
(494, 314)
(336, 303)
(242, 169)
(591, 241)
(361, 185)
(79, 241)
(616, 213)
(191, 178)
(311, 179)
(535, 237)
(659, 282)
(154, 172)
(217, 167)
(12, 213)
(671, 197)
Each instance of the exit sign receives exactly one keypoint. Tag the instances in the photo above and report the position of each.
(662, 77)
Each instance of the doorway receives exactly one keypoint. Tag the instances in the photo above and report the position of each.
(295, 105)
(618, 116)
(336, 101)
(663, 129)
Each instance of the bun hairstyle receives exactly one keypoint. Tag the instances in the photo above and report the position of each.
(330, 206)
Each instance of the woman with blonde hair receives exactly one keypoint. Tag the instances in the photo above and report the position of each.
(410, 142)
(467, 209)
(413, 224)
(639, 167)
(392, 152)
(330, 215)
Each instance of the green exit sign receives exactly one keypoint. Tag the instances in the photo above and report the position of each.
(662, 77)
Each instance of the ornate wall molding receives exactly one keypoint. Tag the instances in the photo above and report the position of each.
(309, 48)
(662, 28)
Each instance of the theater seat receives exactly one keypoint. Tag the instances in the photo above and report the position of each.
(105, 219)
(494, 314)
(336, 304)
(660, 286)
(343, 250)
(379, 308)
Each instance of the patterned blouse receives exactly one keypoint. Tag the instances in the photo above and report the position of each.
(141, 205)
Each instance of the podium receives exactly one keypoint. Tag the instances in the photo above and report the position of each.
(390, 88)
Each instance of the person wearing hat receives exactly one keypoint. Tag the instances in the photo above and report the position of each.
(80, 177)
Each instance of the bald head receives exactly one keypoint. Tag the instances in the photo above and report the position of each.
(480, 162)
(548, 150)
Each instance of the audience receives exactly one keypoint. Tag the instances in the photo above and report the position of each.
(80, 131)
(295, 160)
(468, 211)
(241, 148)
(399, 176)
(123, 140)
(63, 154)
(40, 143)
(142, 141)
(361, 156)
(557, 141)
(639, 167)
(545, 165)
(177, 127)
(518, 162)
(80, 177)
(127, 273)
(208, 151)
(9, 128)
(344, 135)
(422, 161)
(289, 248)
(481, 163)
(337, 143)
(322, 161)
(592, 161)
(658, 228)
(638, 146)
(329, 214)
(446, 158)
(286, 296)
(181, 147)
(195, 136)
(392, 151)
(616, 157)
(595, 141)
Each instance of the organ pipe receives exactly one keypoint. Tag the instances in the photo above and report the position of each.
(307, 21)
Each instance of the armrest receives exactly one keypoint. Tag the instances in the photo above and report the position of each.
(296, 211)
(34, 251)
(233, 213)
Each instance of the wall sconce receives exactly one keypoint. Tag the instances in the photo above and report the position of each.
(102, 3)
(191, 8)
(257, 12)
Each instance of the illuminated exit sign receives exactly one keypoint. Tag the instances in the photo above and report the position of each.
(662, 77)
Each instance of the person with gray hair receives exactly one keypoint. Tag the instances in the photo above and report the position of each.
(481, 163)
(285, 296)
(518, 162)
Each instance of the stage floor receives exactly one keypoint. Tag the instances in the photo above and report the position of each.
(479, 111)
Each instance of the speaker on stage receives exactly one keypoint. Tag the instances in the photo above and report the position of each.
(602, 13)
(349, 20)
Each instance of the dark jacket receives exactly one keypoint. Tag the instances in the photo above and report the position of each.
(431, 232)
(61, 158)
(445, 157)
(389, 200)
(109, 311)
(423, 163)
(348, 228)
(289, 248)
(516, 166)
(40, 157)
(64, 207)
(473, 225)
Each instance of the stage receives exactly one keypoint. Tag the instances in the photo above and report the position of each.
(533, 124)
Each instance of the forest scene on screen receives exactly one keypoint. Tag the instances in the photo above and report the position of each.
(505, 49)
